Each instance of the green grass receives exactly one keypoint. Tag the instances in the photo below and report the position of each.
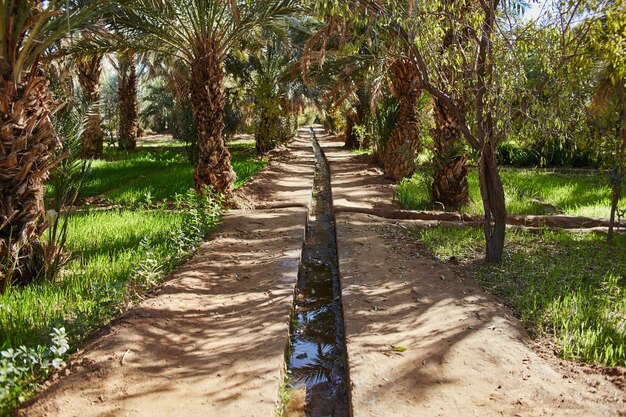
(119, 255)
(93, 285)
(107, 244)
(569, 287)
(159, 142)
(144, 177)
(363, 151)
(527, 192)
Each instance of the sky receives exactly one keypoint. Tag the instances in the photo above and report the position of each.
(535, 9)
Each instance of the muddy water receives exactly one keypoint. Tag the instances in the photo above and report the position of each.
(317, 359)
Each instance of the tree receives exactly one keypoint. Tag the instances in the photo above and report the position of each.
(89, 70)
(127, 73)
(157, 106)
(353, 23)
(268, 65)
(28, 142)
(404, 143)
(610, 36)
(201, 33)
(450, 188)
(481, 81)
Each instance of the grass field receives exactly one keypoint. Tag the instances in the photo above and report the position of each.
(148, 176)
(527, 192)
(569, 287)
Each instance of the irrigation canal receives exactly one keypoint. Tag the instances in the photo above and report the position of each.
(317, 353)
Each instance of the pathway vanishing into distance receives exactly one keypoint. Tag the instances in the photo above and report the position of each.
(421, 339)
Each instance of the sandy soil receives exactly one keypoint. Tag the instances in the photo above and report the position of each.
(465, 354)
(422, 339)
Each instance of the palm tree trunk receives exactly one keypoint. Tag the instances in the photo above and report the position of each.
(266, 133)
(128, 102)
(351, 141)
(404, 141)
(450, 187)
(28, 144)
(89, 77)
(208, 99)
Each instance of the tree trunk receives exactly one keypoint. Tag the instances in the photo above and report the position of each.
(404, 142)
(492, 194)
(491, 188)
(266, 134)
(351, 141)
(28, 145)
(619, 158)
(208, 99)
(450, 187)
(89, 77)
(128, 102)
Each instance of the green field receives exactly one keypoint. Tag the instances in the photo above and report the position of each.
(527, 192)
(148, 176)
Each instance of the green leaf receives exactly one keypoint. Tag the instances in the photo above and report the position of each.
(398, 348)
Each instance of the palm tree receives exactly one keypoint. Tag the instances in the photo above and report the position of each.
(450, 188)
(127, 74)
(277, 85)
(404, 143)
(28, 141)
(89, 70)
(269, 62)
(201, 33)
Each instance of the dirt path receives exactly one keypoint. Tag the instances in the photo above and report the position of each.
(211, 341)
(458, 352)
(421, 340)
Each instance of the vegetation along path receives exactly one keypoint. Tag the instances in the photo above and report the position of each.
(421, 339)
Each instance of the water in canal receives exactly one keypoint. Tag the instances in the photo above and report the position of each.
(317, 354)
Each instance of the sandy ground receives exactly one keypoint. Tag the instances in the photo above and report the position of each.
(422, 340)
(465, 354)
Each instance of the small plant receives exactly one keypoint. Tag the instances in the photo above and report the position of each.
(18, 366)
(415, 193)
(66, 181)
(149, 271)
(147, 198)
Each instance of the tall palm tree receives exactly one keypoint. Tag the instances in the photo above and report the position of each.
(405, 140)
(450, 187)
(403, 145)
(269, 63)
(89, 70)
(28, 141)
(201, 33)
(127, 73)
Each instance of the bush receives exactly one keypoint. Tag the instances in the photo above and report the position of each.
(545, 154)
